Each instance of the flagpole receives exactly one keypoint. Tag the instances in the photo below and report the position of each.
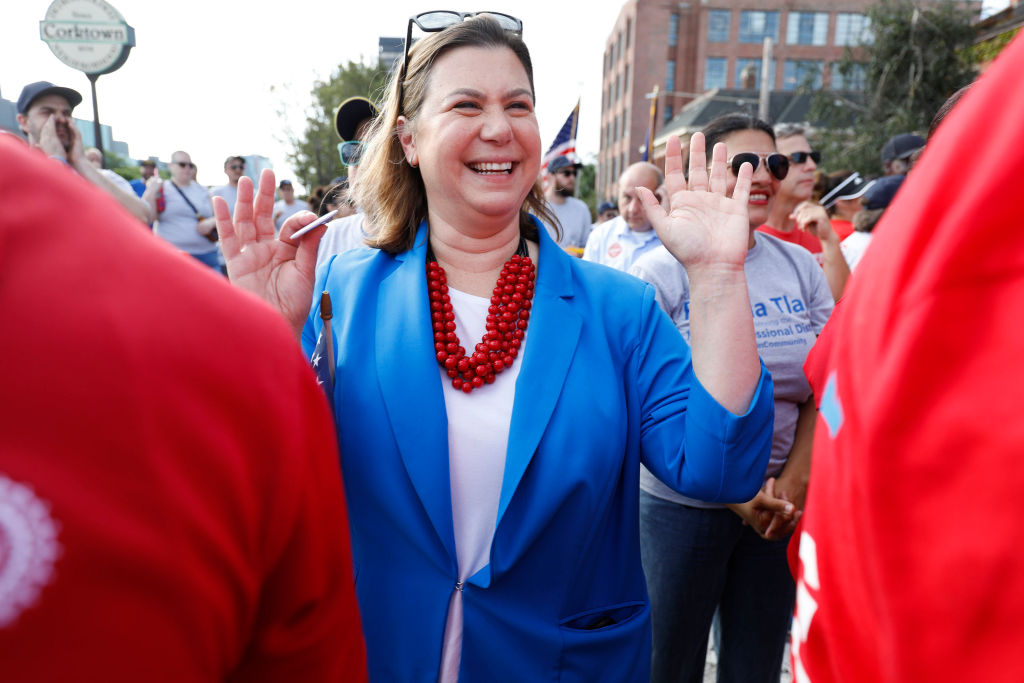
(326, 314)
(650, 125)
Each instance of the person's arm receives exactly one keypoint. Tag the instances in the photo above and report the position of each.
(814, 219)
(153, 186)
(709, 234)
(273, 268)
(126, 198)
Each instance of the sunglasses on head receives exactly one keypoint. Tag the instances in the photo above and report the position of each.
(351, 152)
(801, 157)
(432, 22)
(777, 164)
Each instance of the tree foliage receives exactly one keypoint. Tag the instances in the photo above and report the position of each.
(315, 151)
(918, 57)
(586, 185)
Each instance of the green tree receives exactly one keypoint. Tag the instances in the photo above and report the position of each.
(314, 154)
(918, 57)
(586, 188)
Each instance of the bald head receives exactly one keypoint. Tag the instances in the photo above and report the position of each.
(641, 174)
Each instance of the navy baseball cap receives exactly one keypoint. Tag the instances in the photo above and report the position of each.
(882, 191)
(606, 206)
(33, 91)
(560, 162)
(901, 146)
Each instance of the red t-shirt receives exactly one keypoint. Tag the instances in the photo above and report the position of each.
(171, 506)
(795, 236)
(912, 554)
(843, 229)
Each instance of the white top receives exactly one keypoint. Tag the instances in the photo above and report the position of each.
(574, 218)
(613, 243)
(230, 195)
(287, 210)
(854, 246)
(177, 222)
(478, 426)
(343, 234)
(117, 180)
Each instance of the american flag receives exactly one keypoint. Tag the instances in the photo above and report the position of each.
(322, 360)
(565, 141)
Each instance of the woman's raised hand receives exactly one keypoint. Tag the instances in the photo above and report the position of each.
(703, 226)
(275, 269)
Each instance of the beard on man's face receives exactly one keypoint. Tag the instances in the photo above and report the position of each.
(563, 191)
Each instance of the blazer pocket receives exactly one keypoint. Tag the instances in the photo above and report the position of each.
(610, 643)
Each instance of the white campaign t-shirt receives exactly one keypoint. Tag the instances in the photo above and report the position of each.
(478, 427)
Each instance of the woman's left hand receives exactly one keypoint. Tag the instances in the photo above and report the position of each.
(703, 227)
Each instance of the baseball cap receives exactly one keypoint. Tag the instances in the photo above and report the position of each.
(882, 191)
(147, 162)
(850, 187)
(31, 92)
(901, 146)
(285, 182)
(606, 206)
(560, 162)
(350, 114)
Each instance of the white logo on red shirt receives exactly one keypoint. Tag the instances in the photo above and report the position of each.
(28, 548)
(614, 249)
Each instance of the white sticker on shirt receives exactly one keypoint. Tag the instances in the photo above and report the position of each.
(28, 548)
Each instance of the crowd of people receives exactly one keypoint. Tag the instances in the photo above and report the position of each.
(555, 448)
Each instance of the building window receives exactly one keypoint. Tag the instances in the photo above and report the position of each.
(853, 29)
(742, 64)
(618, 46)
(670, 75)
(756, 26)
(807, 28)
(714, 72)
(718, 25)
(629, 31)
(673, 29)
(618, 86)
(798, 73)
(625, 121)
(625, 80)
(855, 80)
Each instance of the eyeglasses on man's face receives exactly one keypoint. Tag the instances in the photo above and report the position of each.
(432, 22)
(351, 152)
(802, 157)
(237, 167)
(777, 164)
(184, 164)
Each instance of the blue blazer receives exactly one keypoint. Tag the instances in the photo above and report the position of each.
(605, 384)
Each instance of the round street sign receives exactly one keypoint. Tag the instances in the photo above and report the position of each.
(88, 35)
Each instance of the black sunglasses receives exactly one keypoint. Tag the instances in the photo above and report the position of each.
(777, 164)
(567, 171)
(801, 157)
(432, 22)
(237, 167)
(184, 164)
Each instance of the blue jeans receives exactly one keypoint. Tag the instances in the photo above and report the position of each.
(208, 258)
(697, 560)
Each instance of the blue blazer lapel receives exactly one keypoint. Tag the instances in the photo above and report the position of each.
(410, 383)
(552, 337)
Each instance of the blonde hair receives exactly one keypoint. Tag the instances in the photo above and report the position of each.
(389, 190)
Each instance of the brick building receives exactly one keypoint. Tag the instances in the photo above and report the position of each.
(689, 48)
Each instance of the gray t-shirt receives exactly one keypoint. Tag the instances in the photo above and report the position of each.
(574, 217)
(790, 301)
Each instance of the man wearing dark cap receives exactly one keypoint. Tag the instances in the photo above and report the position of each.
(897, 152)
(44, 116)
(147, 169)
(287, 204)
(352, 120)
(606, 211)
(572, 214)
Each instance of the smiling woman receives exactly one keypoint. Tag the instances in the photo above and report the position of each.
(494, 395)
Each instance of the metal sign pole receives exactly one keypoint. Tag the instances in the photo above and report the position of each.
(97, 131)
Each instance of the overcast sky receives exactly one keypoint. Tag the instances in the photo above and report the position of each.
(211, 76)
(201, 74)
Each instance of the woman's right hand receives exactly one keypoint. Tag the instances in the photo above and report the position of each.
(275, 269)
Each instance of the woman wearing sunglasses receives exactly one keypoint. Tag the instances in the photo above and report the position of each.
(699, 554)
(495, 396)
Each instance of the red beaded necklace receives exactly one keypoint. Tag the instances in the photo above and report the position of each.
(507, 319)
